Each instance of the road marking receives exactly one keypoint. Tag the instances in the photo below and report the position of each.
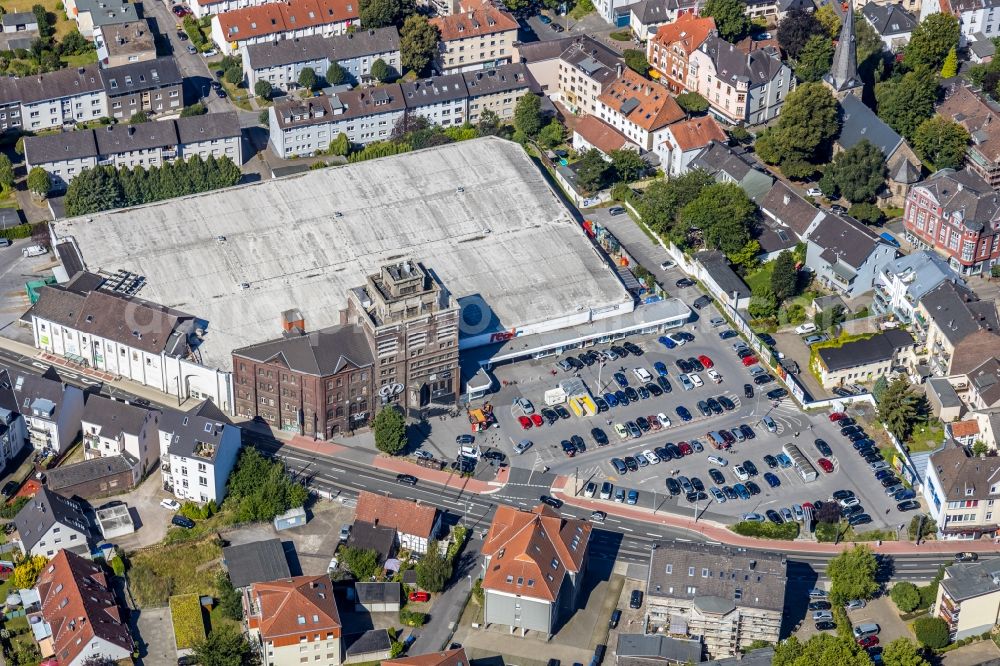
(658, 536)
(626, 529)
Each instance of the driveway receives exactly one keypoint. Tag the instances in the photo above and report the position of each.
(981, 652)
(151, 520)
(15, 270)
(448, 606)
(882, 612)
(156, 637)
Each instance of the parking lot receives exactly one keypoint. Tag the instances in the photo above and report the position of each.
(15, 271)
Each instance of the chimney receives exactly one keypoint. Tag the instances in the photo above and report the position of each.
(292, 322)
(787, 199)
(618, 70)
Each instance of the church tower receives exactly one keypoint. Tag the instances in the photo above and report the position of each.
(843, 77)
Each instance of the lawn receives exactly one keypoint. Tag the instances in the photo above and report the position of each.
(926, 438)
(184, 568)
(761, 277)
(80, 60)
(63, 24)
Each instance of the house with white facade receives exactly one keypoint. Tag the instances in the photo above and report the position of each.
(892, 23)
(51, 408)
(442, 100)
(962, 492)
(257, 24)
(13, 428)
(901, 283)
(198, 450)
(112, 428)
(974, 16)
(416, 524)
(846, 255)
(64, 97)
(639, 108)
(49, 523)
(683, 141)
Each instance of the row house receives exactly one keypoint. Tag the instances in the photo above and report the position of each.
(648, 17)
(198, 450)
(112, 428)
(977, 19)
(51, 408)
(13, 428)
(50, 522)
(282, 20)
(294, 620)
(93, 324)
(91, 15)
(957, 214)
(584, 73)
(416, 524)
(480, 38)
(144, 145)
(962, 492)
(152, 87)
(669, 51)
(124, 43)
(64, 97)
(975, 112)
(903, 282)
(740, 88)
(202, 8)
(281, 62)
(639, 108)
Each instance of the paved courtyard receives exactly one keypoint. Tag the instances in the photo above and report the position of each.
(157, 643)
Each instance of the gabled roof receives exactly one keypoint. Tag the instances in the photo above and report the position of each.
(785, 205)
(696, 133)
(889, 20)
(321, 353)
(600, 135)
(653, 12)
(272, 19)
(255, 562)
(510, 77)
(964, 476)
(115, 418)
(355, 44)
(434, 90)
(858, 122)
(115, 139)
(60, 83)
(732, 65)
(963, 197)
(403, 515)
(483, 19)
(641, 101)
(532, 551)
(289, 606)
(977, 114)
(140, 76)
(208, 127)
(986, 377)
(958, 313)
(45, 509)
(79, 605)
(876, 349)
(687, 33)
(36, 395)
(844, 239)
(196, 433)
(48, 148)
(455, 657)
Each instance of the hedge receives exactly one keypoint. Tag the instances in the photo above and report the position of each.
(189, 626)
(768, 530)
(412, 618)
(15, 233)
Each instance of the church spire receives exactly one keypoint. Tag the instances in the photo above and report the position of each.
(843, 77)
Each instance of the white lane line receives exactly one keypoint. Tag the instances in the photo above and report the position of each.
(627, 529)
(658, 536)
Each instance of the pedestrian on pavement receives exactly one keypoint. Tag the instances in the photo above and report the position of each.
(887, 512)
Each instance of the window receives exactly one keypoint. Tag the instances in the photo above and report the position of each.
(690, 571)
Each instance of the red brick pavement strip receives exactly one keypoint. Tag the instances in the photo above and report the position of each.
(315, 446)
(441, 478)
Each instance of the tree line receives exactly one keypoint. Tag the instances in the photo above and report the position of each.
(106, 187)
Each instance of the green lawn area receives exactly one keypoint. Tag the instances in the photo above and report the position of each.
(926, 438)
(761, 277)
(80, 60)
(184, 568)
(54, 7)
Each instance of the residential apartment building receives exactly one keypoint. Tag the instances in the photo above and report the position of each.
(534, 563)
(975, 17)
(983, 393)
(124, 43)
(92, 322)
(144, 145)
(318, 383)
(846, 255)
(51, 409)
(481, 37)
(198, 450)
(739, 87)
(151, 87)
(202, 8)
(111, 428)
(949, 322)
(292, 617)
(591, 132)
(638, 108)
(728, 597)
(584, 73)
(64, 97)
(968, 598)
(13, 428)
(10, 106)
(648, 17)
(411, 323)
(542, 58)
(975, 112)
(670, 49)
(49, 523)
(232, 30)
(498, 90)
(281, 62)
(416, 524)
(891, 22)
(442, 100)
(865, 360)
(903, 282)
(684, 141)
(93, 14)
(957, 214)
(78, 616)
(963, 493)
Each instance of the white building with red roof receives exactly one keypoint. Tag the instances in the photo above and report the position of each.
(533, 569)
(592, 132)
(684, 141)
(282, 20)
(294, 620)
(416, 524)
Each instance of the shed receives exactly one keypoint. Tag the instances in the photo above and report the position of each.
(115, 521)
(255, 562)
(377, 597)
(373, 645)
(292, 518)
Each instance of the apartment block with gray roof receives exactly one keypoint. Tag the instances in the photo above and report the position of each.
(442, 100)
(50, 522)
(281, 62)
(498, 90)
(901, 283)
(963, 493)
(91, 14)
(51, 408)
(64, 97)
(13, 431)
(958, 330)
(892, 23)
(584, 72)
(198, 450)
(729, 597)
(152, 87)
(968, 598)
(210, 135)
(114, 427)
(845, 255)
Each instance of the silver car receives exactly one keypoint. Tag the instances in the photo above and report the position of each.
(685, 382)
(855, 604)
(522, 446)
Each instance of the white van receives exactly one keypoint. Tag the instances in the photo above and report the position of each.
(642, 374)
(33, 251)
(865, 629)
(802, 329)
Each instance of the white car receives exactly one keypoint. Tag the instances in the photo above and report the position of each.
(330, 568)
(590, 490)
(814, 192)
(695, 379)
(667, 264)
(802, 329)
(676, 338)
(423, 455)
(664, 420)
(621, 430)
(740, 473)
(848, 502)
(642, 374)
(171, 504)
(714, 375)
(718, 460)
(651, 457)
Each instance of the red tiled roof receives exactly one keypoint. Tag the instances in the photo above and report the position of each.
(655, 109)
(532, 551)
(303, 604)
(697, 133)
(80, 606)
(476, 21)
(454, 657)
(600, 135)
(402, 515)
(279, 17)
(687, 32)
(965, 428)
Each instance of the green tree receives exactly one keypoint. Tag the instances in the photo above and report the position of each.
(931, 41)
(382, 13)
(138, 118)
(784, 277)
(635, 59)
(551, 135)
(902, 652)
(906, 596)
(723, 213)
(93, 190)
(692, 102)
(361, 562)
(230, 600)
(796, 29)
(730, 18)
(260, 489)
(233, 75)
(899, 409)
(341, 145)
(763, 302)
(196, 109)
(852, 575)
(335, 74)
(868, 213)
(931, 632)
(307, 78)
(592, 170)
(663, 199)
(820, 650)
(909, 101)
(829, 19)
(859, 171)
(528, 115)
(489, 123)
(746, 260)
(45, 27)
(941, 142)
(6, 173)
(418, 43)
(980, 448)
(264, 89)
(628, 165)
(808, 122)
(950, 66)
(390, 430)
(815, 58)
(433, 570)
(225, 646)
(381, 71)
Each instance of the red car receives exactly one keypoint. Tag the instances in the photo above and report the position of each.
(807, 505)
(525, 422)
(706, 361)
(181, 11)
(536, 420)
(685, 448)
(868, 641)
(420, 596)
(836, 416)
(749, 360)
(826, 465)
(654, 422)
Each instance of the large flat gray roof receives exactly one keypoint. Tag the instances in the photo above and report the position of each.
(478, 214)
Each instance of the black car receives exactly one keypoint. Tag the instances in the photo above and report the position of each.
(860, 519)
(685, 336)
(743, 353)
(633, 348)
(842, 393)
(655, 390)
(777, 394)
(729, 492)
(663, 453)
(767, 339)
(643, 392)
(643, 424)
(631, 463)
(819, 605)
(586, 359)
(683, 413)
(747, 390)
(598, 435)
(701, 302)
(697, 484)
(602, 404)
(750, 468)
(621, 398)
(846, 421)
(842, 494)
(908, 505)
(704, 408)
(616, 617)
(890, 481)
(823, 448)
(760, 380)
(635, 600)
(684, 282)
(849, 511)
(673, 487)
(561, 411)
(664, 384)
(493, 454)
(632, 394)
(714, 405)
(771, 461)
(618, 350)
(726, 403)
(838, 209)
(728, 333)
(849, 430)
(682, 365)
(696, 496)
(825, 625)
(716, 477)
(696, 364)
(182, 521)
(748, 431)
(578, 443)
(111, 504)
(752, 487)
(551, 417)
(773, 516)
(554, 502)
(407, 479)
(674, 451)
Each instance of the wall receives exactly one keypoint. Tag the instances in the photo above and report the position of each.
(535, 615)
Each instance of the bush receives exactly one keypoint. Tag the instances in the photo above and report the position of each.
(390, 430)
(478, 592)
(906, 596)
(412, 618)
(768, 530)
(118, 563)
(931, 632)
(362, 562)
(260, 489)
(197, 512)
(8, 511)
(196, 109)
(459, 535)
(14, 233)
(189, 626)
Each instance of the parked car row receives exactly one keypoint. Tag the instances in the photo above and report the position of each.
(884, 474)
(589, 358)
